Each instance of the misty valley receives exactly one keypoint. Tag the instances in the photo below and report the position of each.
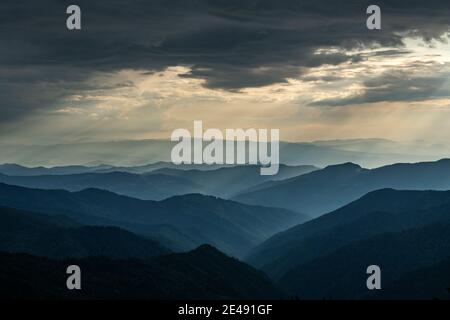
(336, 232)
(222, 157)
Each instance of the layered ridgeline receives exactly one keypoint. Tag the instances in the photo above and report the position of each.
(341, 274)
(146, 187)
(116, 264)
(193, 219)
(156, 184)
(12, 169)
(325, 190)
(204, 273)
(60, 237)
(227, 182)
(401, 231)
(366, 152)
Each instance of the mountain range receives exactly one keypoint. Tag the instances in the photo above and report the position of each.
(304, 189)
(325, 190)
(401, 231)
(365, 152)
(230, 226)
(153, 185)
(147, 187)
(395, 217)
(12, 169)
(59, 237)
(115, 264)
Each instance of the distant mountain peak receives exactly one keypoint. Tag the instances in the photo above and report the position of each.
(341, 168)
(207, 249)
(347, 165)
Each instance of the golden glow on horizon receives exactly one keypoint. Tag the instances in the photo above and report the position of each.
(135, 104)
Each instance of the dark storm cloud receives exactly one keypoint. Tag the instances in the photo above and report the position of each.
(231, 44)
(400, 85)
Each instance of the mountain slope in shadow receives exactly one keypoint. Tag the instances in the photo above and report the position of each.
(232, 227)
(432, 282)
(342, 274)
(204, 273)
(58, 238)
(378, 212)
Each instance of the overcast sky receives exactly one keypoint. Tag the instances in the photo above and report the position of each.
(140, 69)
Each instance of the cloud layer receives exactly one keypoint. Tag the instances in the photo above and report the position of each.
(227, 45)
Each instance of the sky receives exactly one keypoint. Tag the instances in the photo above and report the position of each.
(141, 69)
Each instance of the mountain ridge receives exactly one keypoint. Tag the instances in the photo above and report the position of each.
(327, 189)
(231, 226)
(42, 235)
(385, 210)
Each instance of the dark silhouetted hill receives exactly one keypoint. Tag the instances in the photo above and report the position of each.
(378, 212)
(57, 237)
(342, 273)
(204, 273)
(427, 283)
